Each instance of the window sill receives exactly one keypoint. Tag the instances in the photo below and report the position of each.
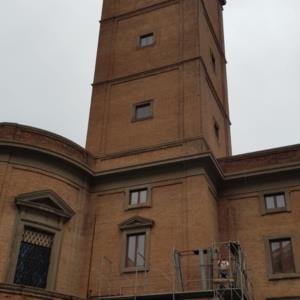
(276, 211)
(134, 120)
(283, 276)
(130, 207)
(135, 270)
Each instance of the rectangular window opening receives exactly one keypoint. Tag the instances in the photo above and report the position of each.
(146, 40)
(34, 258)
(275, 201)
(282, 256)
(142, 111)
(135, 254)
(138, 197)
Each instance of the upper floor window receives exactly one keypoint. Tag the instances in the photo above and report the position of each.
(146, 40)
(138, 196)
(282, 258)
(142, 111)
(275, 201)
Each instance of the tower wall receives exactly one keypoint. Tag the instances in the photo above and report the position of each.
(182, 73)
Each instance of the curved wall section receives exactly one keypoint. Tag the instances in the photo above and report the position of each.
(44, 192)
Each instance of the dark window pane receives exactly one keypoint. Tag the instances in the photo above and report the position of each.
(34, 258)
(270, 204)
(142, 111)
(280, 201)
(282, 256)
(287, 257)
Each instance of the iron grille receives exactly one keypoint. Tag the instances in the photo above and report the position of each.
(34, 258)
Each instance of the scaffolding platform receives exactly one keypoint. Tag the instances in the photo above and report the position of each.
(218, 272)
(230, 294)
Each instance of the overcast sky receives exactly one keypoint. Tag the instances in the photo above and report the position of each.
(47, 57)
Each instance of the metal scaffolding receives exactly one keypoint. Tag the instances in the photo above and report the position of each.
(218, 272)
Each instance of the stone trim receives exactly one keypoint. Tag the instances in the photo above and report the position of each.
(136, 222)
(13, 289)
(45, 201)
(48, 216)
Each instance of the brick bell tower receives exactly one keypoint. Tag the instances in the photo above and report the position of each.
(160, 88)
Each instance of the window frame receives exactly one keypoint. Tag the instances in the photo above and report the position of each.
(22, 224)
(278, 276)
(136, 105)
(134, 226)
(128, 205)
(135, 235)
(144, 35)
(36, 215)
(266, 211)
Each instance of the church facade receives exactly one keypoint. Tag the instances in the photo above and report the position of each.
(155, 206)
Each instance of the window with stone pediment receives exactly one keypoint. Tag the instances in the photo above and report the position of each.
(135, 248)
(41, 218)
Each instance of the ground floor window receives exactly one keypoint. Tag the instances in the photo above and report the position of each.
(34, 258)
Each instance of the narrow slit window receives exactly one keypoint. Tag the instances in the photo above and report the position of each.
(146, 40)
(213, 61)
(217, 130)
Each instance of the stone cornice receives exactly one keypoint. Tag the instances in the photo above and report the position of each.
(13, 289)
(21, 139)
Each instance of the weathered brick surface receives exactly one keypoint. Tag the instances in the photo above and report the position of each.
(241, 219)
(177, 73)
(188, 210)
(73, 257)
(176, 226)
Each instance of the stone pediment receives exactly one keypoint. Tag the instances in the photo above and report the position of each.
(46, 202)
(136, 222)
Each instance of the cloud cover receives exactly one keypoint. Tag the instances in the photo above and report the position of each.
(48, 53)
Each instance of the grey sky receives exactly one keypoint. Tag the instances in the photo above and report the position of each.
(48, 52)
